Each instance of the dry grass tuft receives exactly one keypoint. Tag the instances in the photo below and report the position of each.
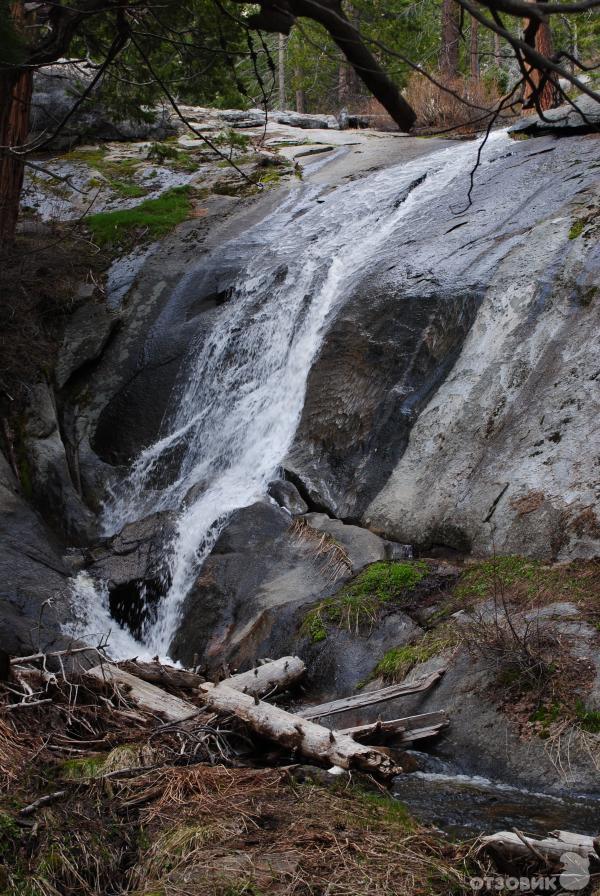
(331, 557)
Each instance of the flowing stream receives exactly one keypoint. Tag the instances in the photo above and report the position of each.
(236, 414)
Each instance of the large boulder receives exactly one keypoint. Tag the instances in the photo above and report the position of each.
(580, 117)
(58, 87)
(255, 589)
(133, 566)
(304, 121)
(385, 355)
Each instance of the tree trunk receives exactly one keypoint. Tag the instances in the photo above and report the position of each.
(497, 51)
(15, 105)
(474, 49)
(281, 71)
(538, 87)
(300, 98)
(450, 39)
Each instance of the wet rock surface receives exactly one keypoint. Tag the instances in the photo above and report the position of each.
(51, 470)
(465, 427)
(386, 353)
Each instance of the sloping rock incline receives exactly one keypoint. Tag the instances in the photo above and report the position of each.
(455, 400)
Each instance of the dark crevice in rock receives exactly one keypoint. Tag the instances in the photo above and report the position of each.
(134, 604)
(307, 494)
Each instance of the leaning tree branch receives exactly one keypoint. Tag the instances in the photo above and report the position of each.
(278, 16)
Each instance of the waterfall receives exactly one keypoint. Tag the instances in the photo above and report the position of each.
(236, 414)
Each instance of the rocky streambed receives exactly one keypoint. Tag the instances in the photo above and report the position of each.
(305, 421)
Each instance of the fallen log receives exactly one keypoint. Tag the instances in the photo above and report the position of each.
(379, 696)
(407, 729)
(265, 679)
(276, 675)
(298, 734)
(511, 845)
(146, 695)
(159, 674)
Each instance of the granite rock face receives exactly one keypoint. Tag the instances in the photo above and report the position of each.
(455, 400)
(56, 90)
(583, 117)
(34, 577)
(262, 576)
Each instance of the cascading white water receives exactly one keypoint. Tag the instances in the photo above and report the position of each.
(235, 418)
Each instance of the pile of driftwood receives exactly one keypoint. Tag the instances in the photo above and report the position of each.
(245, 696)
(169, 695)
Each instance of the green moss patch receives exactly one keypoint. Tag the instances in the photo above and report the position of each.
(358, 604)
(576, 229)
(148, 220)
(398, 662)
(81, 769)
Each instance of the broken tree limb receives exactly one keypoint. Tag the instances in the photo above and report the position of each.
(383, 694)
(406, 730)
(41, 802)
(71, 651)
(277, 675)
(511, 845)
(307, 738)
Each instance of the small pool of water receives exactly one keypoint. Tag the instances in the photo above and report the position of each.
(465, 806)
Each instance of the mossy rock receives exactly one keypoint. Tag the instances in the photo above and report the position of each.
(82, 769)
(358, 604)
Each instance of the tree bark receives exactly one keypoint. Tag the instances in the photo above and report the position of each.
(15, 106)
(450, 38)
(538, 87)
